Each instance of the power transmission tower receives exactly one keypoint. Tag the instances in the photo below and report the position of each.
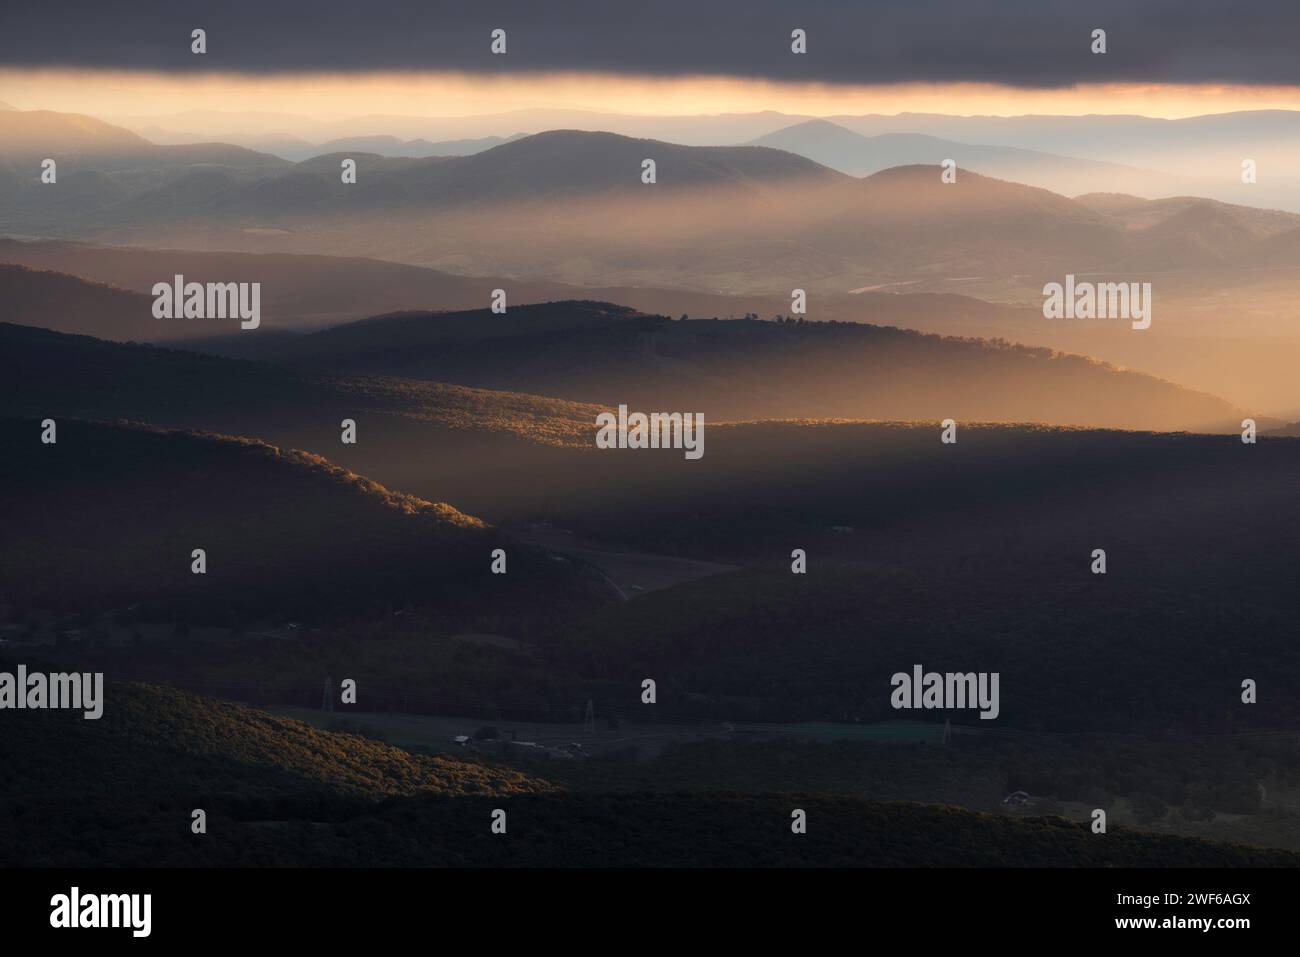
(589, 719)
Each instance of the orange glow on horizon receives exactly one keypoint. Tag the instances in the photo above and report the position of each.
(109, 94)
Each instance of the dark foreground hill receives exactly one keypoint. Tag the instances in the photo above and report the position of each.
(975, 557)
(1075, 654)
(991, 538)
(120, 791)
(109, 515)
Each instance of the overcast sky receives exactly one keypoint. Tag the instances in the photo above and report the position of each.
(1028, 43)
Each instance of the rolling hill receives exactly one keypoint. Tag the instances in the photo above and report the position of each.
(467, 446)
(1008, 512)
(747, 369)
(546, 166)
(297, 292)
(457, 443)
(101, 167)
(600, 353)
(81, 376)
(1222, 331)
(285, 532)
(991, 537)
(307, 292)
(279, 793)
(67, 303)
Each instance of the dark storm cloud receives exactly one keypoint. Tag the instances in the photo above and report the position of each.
(1020, 42)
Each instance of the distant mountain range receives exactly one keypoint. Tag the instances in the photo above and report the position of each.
(1116, 138)
(1183, 144)
(570, 206)
(1199, 155)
